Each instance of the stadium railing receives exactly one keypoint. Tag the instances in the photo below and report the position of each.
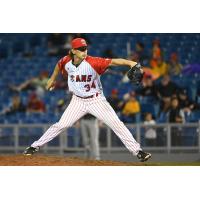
(167, 138)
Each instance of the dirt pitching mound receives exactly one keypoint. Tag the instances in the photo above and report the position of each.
(47, 160)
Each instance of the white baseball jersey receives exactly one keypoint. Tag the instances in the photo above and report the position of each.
(84, 81)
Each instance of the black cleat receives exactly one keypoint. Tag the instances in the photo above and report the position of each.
(143, 156)
(30, 151)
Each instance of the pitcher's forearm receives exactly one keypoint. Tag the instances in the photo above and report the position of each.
(55, 73)
(122, 62)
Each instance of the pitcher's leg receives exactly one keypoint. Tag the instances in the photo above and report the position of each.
(73, 112)
(103, 111)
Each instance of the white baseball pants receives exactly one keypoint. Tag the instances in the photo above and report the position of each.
(101, 109)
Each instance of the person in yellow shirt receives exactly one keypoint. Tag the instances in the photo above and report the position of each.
(174, 66)
(161, 68)
(131, 108)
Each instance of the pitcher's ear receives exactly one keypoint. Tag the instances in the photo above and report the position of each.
(72, 51)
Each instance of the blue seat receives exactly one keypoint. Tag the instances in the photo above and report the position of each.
(190, 136)
(162, 118)
(28, 135)
(7, 136)
(54, 142)
(147, 99)
(27, 120)
(194, 117)
(3, 51)
(148, 107)
(7, 140)
(128, 119)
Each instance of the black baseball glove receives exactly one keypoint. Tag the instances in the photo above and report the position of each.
(135, 75)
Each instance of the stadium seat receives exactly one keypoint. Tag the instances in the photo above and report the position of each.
(15, 45)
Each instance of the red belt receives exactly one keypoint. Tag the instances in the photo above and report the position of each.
(88, 97)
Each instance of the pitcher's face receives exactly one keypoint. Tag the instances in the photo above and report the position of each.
(80, 53)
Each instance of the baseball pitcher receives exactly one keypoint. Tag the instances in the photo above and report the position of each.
(84, 73)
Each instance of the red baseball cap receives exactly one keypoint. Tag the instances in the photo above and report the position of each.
(78, 42)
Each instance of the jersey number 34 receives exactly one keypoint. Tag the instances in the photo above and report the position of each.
(88, 86)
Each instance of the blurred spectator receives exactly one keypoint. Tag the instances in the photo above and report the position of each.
(16, 105)
(174, 67)
(166, 89)
(35, 104)
(150, 133)
(162, 116)
(160, 67)
(61, 83)
(139, 55)
(185, 104)
(131, 108)
(165, 105)
(55, 44)
(37, 84)
(156, 53)
(60, 106)
(108, 53)
(134, 56)
(149, 88)
(176, 115)
(62, 103)
(149, 72)
(67, 44)
(114, 101)
(28, 53)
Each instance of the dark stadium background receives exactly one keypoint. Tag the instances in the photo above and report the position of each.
(23, 56)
